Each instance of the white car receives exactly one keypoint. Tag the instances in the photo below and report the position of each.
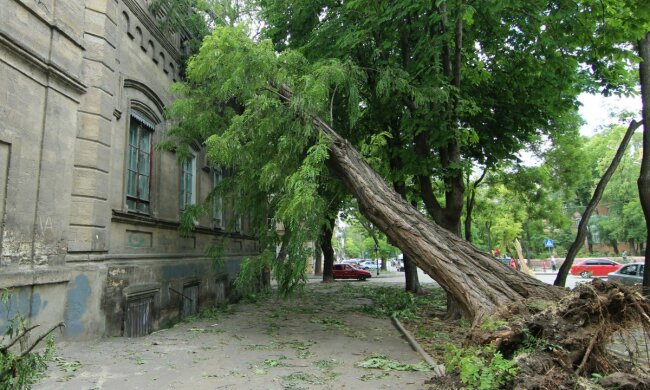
(368, 265)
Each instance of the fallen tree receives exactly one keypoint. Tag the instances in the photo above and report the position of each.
(478, 282)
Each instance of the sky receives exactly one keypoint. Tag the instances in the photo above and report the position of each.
(597, 110)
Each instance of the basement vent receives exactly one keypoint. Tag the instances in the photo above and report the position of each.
(139, 316)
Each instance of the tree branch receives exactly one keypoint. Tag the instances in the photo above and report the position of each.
(38, 340)
(15, 339)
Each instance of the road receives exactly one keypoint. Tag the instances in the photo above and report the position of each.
(398, 277)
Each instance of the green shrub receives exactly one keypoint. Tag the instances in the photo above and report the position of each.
(480, 368)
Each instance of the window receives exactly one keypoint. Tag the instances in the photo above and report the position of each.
(237, 225)
(138, 173)
(188, 182)
(629, 270)
(217, 201)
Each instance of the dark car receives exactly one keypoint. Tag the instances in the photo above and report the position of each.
(594, 267)
(629, 274)
(349, 271)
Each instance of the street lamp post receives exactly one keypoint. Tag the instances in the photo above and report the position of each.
(377, 258)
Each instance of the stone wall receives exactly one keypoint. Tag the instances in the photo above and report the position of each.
(74, 74)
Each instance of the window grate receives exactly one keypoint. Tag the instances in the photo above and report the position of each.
(139, 317)
(190, 300)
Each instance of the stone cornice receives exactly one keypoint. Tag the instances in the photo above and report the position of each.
(42, 64)
(53, 23)
(145, 18)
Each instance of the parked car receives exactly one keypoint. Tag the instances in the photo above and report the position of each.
(594, 267)
(349, 271)
(368, 265)
(629, 274)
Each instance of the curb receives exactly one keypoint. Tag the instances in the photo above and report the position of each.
(438, 369)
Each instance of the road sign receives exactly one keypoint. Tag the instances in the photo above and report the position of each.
(548, 243)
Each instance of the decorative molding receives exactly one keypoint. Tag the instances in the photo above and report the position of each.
(117, 114)
(144, 17)
(149, 93)
(143, 220)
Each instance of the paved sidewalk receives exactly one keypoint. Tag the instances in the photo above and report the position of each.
(312, 341)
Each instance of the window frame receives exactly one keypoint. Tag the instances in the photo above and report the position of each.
(183, 201)
(134, 196)
(217, 200)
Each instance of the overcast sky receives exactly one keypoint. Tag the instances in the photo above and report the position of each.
(597, 110)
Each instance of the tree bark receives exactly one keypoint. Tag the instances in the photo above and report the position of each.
(470, 205)
(474, 279)
(318, 260)
(411, 276)
(591, 206)
(644, 177)
(328, 250)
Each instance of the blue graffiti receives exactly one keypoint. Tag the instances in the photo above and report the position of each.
(75, 306)
(22, 302)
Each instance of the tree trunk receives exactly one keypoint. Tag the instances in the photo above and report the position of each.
(488, 227)
(632, 247)
(470, 205)
(474, 279)
(318, 260)
(595, 198)
(411, 279)
(411, 276)
(615, 247)
(644, 177)
(328, 250)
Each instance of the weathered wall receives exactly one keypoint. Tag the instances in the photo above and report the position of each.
(71, 73)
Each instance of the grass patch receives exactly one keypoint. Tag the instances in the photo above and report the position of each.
(391, 301)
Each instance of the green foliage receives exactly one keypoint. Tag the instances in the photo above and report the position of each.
(492, 324)
(20, 369)
(404, 305)
(480, 367)
(383, 363)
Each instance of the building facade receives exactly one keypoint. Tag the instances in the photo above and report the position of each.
(89, 206)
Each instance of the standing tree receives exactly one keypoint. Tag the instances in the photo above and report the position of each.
(644, 176)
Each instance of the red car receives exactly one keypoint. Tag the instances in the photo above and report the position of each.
(348, 271)
(594, 267)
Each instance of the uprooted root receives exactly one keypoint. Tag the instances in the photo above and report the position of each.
(554, 348)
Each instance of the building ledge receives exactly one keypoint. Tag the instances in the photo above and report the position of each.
(21, 277)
